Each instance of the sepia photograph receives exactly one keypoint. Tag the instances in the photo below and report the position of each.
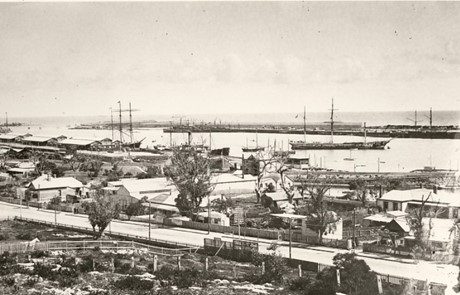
(229, 147)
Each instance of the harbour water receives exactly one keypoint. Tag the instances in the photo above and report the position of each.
(401, 155)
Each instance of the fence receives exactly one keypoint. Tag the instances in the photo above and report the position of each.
(296, 235)
(362, 233)
(64, 208)
(135, 238)
(26, 247)
(373, 248)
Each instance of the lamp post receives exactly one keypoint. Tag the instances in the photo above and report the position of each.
(150, 219)
(378, 164)
(355, 166)
(209, 216)
(290, 238)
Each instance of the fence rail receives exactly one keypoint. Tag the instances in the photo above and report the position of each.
(136, 238)
(26, 247)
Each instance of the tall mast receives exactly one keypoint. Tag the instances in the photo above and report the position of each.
(415, 118)
(111, 121)
(6, 119)
(431, 118)
(365, 133)
(170, 134)
(130, 124)
(120, 128)
(210, 139)
(304, 123)
(332, 121)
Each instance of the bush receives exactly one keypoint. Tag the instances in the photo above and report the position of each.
(39, 254)
(133, 283)
(275, 268)
(4, 236)
(123, 268)
(25, 236)
(185, 278)
(31, 281)
(299, 284)
(86, 264)
(9, 281)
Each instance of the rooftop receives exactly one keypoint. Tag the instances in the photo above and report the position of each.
(415, 195)
(48, 182)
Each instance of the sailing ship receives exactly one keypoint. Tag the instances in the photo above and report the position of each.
(132, 144)
(257, 148)
(360, 145)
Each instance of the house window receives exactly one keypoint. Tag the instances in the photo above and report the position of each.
(455, 213)
(385, 206)
(395, 206)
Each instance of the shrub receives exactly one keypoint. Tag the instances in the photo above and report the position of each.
(133, 283)
(185, 278)
(39, 254)
(9, 281)
(300, 284)
(4, 236)
(86, 264)
(275, 268)
(25, 236)
(123, 268)
(31, 281)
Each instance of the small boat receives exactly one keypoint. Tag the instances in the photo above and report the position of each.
(349, 158)
(257, 148)
(254, 149)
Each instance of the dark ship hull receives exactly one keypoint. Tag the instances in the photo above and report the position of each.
(374, 145)
(220, 152)
(256, 149)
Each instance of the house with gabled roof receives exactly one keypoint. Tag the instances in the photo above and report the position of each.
(46, 187)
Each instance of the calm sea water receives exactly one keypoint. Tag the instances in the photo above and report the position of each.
(402, 155)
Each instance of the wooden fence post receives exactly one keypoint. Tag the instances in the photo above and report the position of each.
(132, 261)
(300, 270)
(206, 264)
(379, 284)
(155, 263)
(234, 271)
(112, 264)
(94, 265)
(263, 267)
(338, 276)
(178, 262)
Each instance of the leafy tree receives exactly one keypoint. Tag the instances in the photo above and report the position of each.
(190, 173)
(44, 165)
(320, 217)
(271, 162)
(275, 268)
(100, 212)
(222, 205)
(356, 278)
(54, 203)
(416, 224)
(359, 186)
(134, 209)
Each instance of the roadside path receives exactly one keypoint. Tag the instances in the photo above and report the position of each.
(437, 273)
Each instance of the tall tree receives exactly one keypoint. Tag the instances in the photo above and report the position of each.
(416, 224)
(100, 212)
(356, 276)
(272, 163)
(314, 189)
(134, 209)
(190, 173)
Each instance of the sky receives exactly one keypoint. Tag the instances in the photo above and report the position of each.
(228, 57)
